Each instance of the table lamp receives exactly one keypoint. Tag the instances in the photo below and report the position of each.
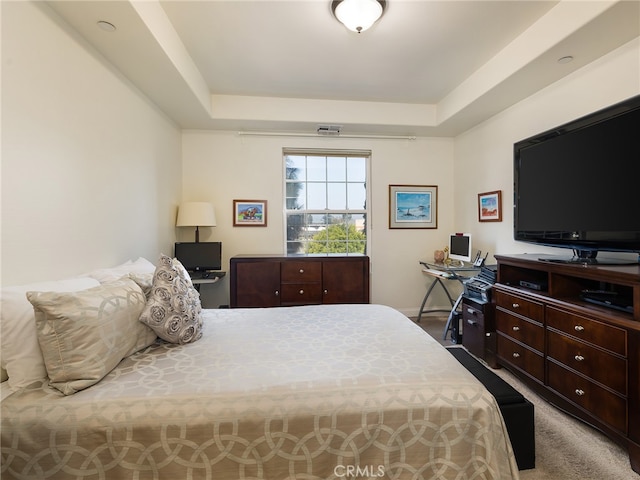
(196, 214)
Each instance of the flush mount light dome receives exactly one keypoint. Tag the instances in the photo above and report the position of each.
(358, 15)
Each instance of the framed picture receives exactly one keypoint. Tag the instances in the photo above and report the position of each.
(249, 213)
(490, 206)
(413, 206)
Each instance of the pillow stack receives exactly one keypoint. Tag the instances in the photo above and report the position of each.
(75, 331)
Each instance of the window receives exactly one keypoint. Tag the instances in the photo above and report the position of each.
(326, 202)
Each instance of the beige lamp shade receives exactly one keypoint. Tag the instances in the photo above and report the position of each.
(196, 214)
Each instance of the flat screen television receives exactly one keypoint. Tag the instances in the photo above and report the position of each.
(199, 256)
(460, 247)
(577, 186)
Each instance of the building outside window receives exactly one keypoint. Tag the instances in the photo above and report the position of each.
(326, 202)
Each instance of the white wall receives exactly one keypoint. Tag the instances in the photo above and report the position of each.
(484, 154)
(91, 172)
(222, 166)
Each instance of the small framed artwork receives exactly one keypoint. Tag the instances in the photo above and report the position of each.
(413, 206)
(249, 213)
(490, 206)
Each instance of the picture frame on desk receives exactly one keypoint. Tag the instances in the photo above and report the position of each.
(413, 206)
(249, 213)
(490, 206)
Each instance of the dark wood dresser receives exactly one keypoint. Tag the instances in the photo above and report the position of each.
(582, 357)
(273, 281)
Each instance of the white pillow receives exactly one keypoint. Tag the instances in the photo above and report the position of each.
(20, 354)
(140, 266)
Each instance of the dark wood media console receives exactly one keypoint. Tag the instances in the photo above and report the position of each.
(584, 358)
(274, 281)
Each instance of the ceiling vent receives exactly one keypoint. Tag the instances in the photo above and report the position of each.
(329, 130)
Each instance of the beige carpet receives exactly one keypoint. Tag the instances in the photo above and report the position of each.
(566, 449)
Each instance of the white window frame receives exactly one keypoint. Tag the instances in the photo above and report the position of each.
(366, 154)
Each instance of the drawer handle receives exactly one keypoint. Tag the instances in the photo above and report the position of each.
(578, 328)
(326, 292)
(579, 392)
(516, 355)
(471, 311)
(515, 305)
(301, 270)
(579, 358)
(472, 323)
(515, 328)
(277, 293)
(301, 292)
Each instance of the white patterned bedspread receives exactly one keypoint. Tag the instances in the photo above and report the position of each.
(317, 392)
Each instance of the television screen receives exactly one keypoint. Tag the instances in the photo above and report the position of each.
(200, 256)
(576, 186)
(460, 247)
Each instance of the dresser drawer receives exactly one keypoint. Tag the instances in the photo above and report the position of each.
(520, 305)
(603, 367)
(606, 336)
(606, 405)
(520, 329)
(300, 272)
(525, 359)
(300, 294)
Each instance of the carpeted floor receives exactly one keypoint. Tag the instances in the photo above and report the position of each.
(566, 449)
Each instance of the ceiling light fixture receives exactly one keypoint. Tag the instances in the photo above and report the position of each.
(358, 15)
(565, 59)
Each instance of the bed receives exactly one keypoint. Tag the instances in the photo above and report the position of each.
(120, 374)
(314, 392)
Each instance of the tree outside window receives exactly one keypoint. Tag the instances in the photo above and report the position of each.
(326, 202)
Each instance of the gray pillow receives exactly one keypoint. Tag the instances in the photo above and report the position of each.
(84, 335)
(173, 306)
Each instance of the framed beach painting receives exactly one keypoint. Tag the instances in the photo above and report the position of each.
(490, 206)
(249, 213)
(413, 206)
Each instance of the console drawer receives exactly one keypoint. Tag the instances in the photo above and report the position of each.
(301, 294)
(520, 356)
(520, 305)
(602, 403)
(300, 272)
(594, 363)
(606, 336)
(520, 329)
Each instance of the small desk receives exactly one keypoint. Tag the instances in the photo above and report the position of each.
(199, 278)
(439, 272)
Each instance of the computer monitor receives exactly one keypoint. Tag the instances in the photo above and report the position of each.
(199, 256)
(460, 247)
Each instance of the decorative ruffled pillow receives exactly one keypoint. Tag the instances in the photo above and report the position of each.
(173, 306)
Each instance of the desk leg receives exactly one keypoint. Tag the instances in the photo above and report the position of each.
(437, 280)
(452, 314)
